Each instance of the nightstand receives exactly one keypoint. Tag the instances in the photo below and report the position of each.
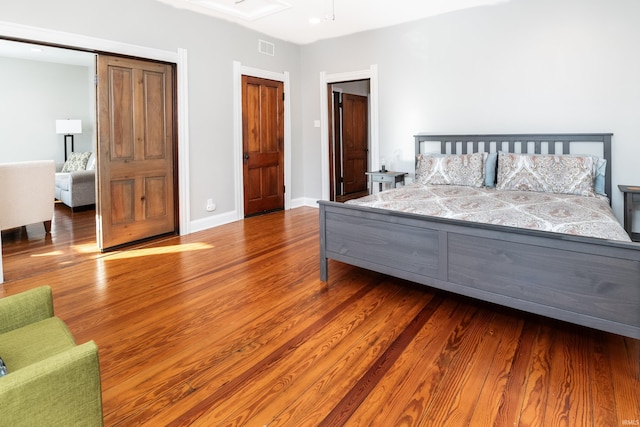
(388, 177)
(631, 197)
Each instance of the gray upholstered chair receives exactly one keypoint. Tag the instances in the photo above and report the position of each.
(77, 187)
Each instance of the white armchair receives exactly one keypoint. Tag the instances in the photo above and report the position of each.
(27, 193)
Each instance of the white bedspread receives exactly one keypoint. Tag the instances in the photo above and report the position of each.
(560, 213)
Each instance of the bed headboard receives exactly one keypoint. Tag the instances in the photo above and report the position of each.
(535, 143)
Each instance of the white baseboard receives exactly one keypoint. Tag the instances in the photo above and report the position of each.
(213, 221)
(304, 201)
(226, 218)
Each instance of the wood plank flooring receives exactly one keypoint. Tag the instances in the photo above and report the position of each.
(232, 326)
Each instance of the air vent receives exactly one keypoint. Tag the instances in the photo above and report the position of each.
(266, 48)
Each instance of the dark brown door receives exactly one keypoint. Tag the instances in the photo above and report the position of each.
(354, 143)
(136, 146)
(262, 145)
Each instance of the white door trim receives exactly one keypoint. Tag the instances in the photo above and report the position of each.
(325, 79)
(60, 38)
(238, 71)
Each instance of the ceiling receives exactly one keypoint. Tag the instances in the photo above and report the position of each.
(289, 20)
(307, 21)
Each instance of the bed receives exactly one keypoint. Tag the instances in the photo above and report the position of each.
(585, 280)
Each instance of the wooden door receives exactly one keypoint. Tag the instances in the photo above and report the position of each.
(136, 148)
(262, 145)
(354, 143)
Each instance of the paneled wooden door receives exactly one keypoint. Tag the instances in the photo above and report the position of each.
(262, 145)
(355, 143)
(136, 149)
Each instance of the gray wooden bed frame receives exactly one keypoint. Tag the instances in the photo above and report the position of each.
(586, 281)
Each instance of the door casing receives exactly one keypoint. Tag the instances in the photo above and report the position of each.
(374, 145)
(46, 36)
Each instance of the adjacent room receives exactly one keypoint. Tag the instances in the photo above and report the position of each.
(222, 212)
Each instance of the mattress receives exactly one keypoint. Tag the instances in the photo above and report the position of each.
(560, 213)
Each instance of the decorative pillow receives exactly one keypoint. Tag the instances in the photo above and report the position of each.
(452, 169)
(76, 162)
(91, 163)
(490, 168)
(600, 179)
(547, 173)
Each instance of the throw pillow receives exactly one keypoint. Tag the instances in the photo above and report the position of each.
(76, 162)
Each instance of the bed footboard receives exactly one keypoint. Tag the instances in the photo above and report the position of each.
(586, 281)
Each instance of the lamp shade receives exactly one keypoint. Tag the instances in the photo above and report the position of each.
(68, 127)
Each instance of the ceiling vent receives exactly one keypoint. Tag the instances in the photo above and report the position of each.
(266, 48)
(249, 10)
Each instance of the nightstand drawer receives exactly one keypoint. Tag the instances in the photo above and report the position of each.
(383, 178)
(388, 177)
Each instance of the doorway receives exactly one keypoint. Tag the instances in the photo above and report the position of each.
(326, 80)
(92, 44)
(349, 139)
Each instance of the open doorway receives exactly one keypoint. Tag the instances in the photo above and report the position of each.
(326, 82)
(349, 139)
(81, 45)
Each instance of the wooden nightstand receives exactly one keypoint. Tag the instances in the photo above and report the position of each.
(631, 197)
(388, 177)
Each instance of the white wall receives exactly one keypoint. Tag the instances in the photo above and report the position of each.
(34, 95)
(212, 46)
(521, 66)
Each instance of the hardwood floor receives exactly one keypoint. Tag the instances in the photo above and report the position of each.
(232, 326)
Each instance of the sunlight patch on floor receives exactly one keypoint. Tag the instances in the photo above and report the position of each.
(86, 248)
(159, 251)
(52, 253)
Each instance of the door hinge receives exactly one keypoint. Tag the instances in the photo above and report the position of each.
(95, 80)
(283, 96)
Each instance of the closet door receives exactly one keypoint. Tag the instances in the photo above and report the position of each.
(136, 150)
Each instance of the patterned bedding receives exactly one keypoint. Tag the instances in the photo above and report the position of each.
(560, 213)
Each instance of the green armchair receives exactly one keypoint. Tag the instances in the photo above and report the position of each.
(51, 381)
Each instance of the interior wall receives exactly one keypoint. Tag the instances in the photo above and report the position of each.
(212, 45)
(34, 95)
(521, 66)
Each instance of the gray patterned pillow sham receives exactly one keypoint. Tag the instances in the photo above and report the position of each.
(452, 169)
(547, 173)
